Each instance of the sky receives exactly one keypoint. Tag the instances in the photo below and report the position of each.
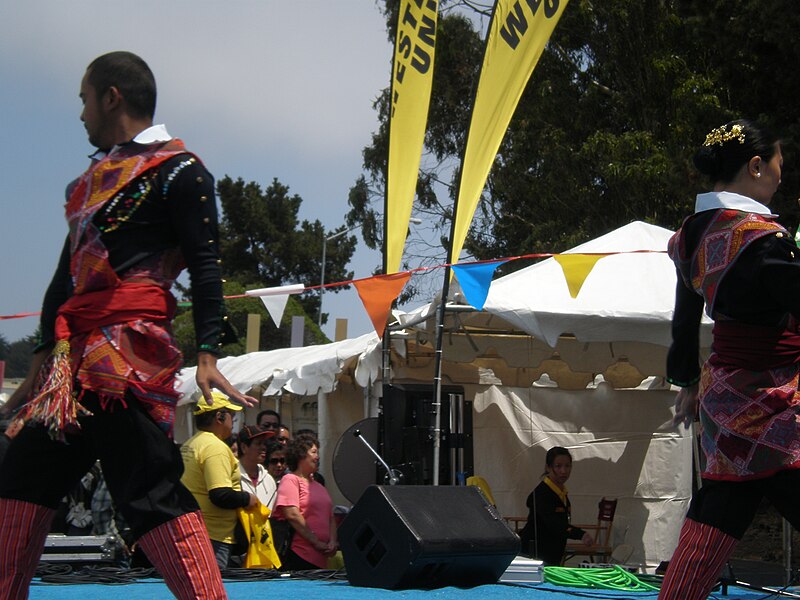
(258, 89)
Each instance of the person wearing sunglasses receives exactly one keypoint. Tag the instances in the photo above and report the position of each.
(276, 459)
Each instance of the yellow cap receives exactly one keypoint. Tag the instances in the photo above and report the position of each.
(220, 400)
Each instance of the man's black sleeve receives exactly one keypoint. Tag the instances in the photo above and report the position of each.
(229, 498)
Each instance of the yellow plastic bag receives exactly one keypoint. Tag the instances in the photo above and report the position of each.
(261, 552)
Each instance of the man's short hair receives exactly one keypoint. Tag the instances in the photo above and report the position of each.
(130, 75)
(206, 419)
(267, 412)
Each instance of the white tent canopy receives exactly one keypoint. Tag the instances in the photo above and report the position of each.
(626, 297)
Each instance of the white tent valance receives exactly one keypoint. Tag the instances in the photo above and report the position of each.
(303, 371)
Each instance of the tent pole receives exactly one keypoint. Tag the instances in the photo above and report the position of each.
(437, 377)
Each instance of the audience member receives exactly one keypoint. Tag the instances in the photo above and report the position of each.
(211, 473)
(253, 442)
(311, 433)
(308, 508)
(268, 419)
(284, 435)
(233, 443)
(276, 460)
(545, 534)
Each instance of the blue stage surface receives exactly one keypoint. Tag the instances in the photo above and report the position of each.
(152, 589)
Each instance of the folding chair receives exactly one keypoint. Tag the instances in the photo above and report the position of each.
(600, 550)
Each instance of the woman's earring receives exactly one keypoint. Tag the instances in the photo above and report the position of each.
(758, 174)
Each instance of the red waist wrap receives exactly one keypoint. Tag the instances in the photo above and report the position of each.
(54, 404)
(120, 304)
(754, 347)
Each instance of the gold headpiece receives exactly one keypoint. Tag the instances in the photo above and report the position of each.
(720, 135)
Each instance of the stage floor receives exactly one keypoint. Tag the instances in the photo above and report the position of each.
(150, 589)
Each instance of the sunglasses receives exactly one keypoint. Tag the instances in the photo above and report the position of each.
(270, 425)
(277, 461)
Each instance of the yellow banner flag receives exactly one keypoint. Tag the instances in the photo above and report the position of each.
(517, 35)
(412, 76)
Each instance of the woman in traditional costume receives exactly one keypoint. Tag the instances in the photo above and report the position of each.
(735, 259)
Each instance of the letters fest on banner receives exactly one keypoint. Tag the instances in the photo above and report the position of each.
(412, 76)
(517, 35)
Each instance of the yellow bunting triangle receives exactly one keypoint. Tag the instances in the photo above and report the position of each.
(576, 269)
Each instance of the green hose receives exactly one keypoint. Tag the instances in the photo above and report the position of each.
(612, 578)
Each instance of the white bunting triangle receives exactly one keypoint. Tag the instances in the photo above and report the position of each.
(275, 307)
(275, 299)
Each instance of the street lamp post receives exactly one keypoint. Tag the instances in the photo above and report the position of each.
(322, 269)
(412, 220)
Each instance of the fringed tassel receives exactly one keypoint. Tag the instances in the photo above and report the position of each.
(54, 405)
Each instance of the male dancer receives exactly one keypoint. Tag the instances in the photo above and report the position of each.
(143, 210)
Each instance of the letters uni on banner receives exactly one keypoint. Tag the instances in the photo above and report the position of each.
(412, 77)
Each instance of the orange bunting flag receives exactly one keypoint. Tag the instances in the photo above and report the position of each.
(576, 269)
(377, 294)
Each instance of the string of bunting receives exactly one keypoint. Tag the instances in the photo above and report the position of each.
(378, 292)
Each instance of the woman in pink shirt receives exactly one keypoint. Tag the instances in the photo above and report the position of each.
(308, 507)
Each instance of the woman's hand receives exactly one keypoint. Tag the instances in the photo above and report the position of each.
(686, 406)
(587, 539)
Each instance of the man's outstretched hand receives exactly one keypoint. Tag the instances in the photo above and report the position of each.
(208, 377)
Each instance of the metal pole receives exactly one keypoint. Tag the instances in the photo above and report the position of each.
(437, 377)
(325, 241)
(322, 280)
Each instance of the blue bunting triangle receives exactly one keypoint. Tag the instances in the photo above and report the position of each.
(475, 280)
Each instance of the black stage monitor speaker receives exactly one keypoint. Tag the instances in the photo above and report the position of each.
(410, 536)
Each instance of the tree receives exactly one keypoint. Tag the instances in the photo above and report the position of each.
(605, 130)
(263, 244)
(18, 355)
(271, 336)
(262, 240)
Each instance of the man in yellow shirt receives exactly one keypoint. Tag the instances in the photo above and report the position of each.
(211, 473)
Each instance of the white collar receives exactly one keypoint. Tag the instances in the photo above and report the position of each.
(152, 135)
(729, 200)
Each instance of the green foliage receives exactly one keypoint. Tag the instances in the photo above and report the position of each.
(605, 131)
(17, 355)
(263, 241)
(264, 244)
(270, 336)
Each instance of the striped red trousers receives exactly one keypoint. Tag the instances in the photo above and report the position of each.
(697, 562)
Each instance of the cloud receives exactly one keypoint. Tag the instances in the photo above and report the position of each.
(260, 89)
